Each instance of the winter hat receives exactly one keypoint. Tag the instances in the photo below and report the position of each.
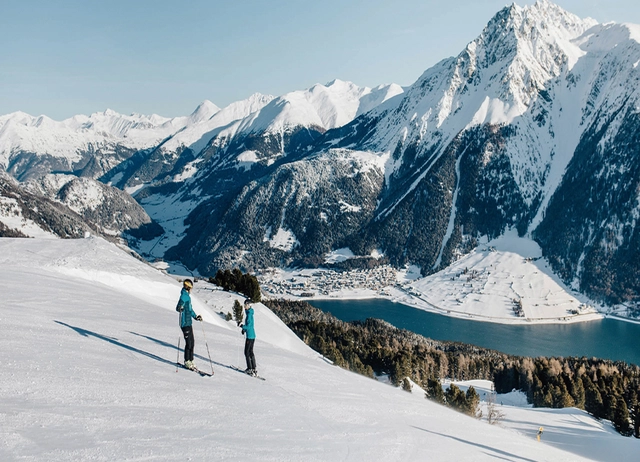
(247, 301)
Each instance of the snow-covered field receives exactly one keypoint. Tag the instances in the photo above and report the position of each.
(89, 349)
(485, 285)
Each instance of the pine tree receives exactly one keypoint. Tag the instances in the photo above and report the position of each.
(577, 392)
(561, 397)
(251, 288)
(592, 397)
(434, 391)
(621, 418)
(473, 403)
(634, 412)
(456, 398)
(401, 367)
(238, 312)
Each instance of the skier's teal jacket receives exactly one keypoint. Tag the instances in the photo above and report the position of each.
(247, 328)
(184, 307)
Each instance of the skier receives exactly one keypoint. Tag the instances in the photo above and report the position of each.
(540, 430)
(186, 314)
(249, 331)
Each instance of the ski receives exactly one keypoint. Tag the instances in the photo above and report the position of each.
(202, 373)
(244, 372)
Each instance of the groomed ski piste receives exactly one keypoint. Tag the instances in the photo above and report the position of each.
(89, 348)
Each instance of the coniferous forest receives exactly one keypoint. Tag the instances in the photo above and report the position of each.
(606, 389)
(237, 281)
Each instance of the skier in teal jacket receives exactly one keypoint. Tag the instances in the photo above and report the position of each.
(249, 330)
(186, 315)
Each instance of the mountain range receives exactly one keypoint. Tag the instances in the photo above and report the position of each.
(533, 127)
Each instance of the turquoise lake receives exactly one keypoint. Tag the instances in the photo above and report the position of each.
(606, 338)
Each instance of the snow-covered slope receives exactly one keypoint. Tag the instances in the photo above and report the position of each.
(89, 373)
(323, 106)
(320, 108)
(197, 136)
(107, 208)
(23, 214)
(505, 280)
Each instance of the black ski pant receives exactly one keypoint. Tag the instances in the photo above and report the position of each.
(189, 343)
(248, 353)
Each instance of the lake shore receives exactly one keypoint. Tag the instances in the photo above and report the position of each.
(398, 296)
(505, 281)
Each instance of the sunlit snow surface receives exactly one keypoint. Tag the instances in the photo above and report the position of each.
(88, 353)
(486, 283)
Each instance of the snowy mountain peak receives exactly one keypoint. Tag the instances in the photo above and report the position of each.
(547, 16)
(497, 76)
(204, 111)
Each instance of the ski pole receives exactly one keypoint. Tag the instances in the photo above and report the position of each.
(178, 354)
(205, 342)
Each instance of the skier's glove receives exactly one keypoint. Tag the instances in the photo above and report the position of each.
(198, 318)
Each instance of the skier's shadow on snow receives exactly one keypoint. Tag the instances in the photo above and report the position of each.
(169, 345)
(115, 341)
(506, 455)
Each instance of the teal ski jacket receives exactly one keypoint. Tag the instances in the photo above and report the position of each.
(247, 328)
(185, 309)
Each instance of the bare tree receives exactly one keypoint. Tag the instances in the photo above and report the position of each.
(494, 414)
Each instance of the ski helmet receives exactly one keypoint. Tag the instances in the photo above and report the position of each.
(188, 283)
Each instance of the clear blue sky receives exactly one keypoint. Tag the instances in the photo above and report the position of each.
(67, 57)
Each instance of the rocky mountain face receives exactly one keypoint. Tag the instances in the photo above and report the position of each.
(108, 209)
(23, 214)
(532, 127)
(66, 206)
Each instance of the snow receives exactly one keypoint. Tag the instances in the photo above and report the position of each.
(11, 216)
(41, 135)
(484, 284)
(576, 424)
(246, 159)
(499, 79)
(283, 239)
(169, 213)
(634, 31)
(89, 374)
(197, 135)
(325, 106)
(339, 255)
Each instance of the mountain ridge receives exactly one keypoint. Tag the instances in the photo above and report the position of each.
(482, 143)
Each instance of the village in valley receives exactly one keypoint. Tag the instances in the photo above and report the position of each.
(325, 283)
